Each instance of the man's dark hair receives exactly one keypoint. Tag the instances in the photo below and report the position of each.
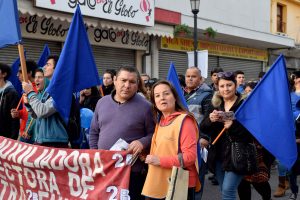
(261, 74)
(181, 79)
(129, 69)
(5, 69)
(216, 70)
(251, 84)
(55, 58)
(112, 72)
(31, 66)
(238, 72)
(39, 70)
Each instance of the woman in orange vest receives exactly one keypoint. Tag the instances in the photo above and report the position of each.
(175, 131)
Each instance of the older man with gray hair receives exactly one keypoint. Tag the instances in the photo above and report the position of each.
(198, 97)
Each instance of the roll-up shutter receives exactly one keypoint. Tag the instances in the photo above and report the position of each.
(166, 57)
(33, 50)
(180, 62)
(112, 58)
(212, 63)
(251, 68)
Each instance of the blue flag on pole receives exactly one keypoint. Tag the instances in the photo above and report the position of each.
(13, 78)
(267, 114)
(9, 23)
(173, 78)
(43, 57)
(75, 69)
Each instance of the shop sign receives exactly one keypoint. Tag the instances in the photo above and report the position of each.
(33, 26)
(218, 49)
(130, 11)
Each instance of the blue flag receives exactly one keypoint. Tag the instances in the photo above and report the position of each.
(43, 58)
(75, 69)
(13, 78)
(267, 114)
(9, 23)
(173, 78)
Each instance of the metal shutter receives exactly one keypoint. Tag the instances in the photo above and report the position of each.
(33, 50)
(166, 57)
(180, 62)
(112, 58)
(212, 63)
(251, 68)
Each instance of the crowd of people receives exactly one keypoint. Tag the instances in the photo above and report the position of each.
(147, 113)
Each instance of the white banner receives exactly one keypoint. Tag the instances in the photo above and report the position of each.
(130, 11)
(202, 61)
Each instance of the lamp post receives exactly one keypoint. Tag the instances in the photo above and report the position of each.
(195, 10)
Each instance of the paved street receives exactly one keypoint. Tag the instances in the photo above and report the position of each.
(212, 192)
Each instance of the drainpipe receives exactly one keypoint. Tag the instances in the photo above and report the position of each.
(145, 55)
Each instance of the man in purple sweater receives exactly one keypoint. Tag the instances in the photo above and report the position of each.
(127, 115)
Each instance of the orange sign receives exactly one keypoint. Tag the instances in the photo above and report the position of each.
(218, 49)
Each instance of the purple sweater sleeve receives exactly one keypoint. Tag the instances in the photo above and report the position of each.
(94, 131)
(150, 126)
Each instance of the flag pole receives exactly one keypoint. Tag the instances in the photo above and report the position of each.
(23, 62)
(19, 103)
(220, 134)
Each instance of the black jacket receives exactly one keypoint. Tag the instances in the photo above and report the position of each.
(221, 151)
(8, 100)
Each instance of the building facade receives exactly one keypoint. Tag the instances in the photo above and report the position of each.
(242, 41)
(285, 21)
(140, 33)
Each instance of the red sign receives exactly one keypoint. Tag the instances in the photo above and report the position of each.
(36, 172)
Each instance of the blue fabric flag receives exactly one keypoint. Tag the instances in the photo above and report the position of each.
(75, 69)
(9, 23)
(13, 78)
(267, 114)
(173, 78)
(43, 58)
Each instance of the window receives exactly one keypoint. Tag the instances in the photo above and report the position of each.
(280, 23)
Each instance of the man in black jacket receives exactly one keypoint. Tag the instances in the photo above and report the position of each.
(9, 127)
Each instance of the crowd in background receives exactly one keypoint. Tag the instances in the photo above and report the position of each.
(147, 113)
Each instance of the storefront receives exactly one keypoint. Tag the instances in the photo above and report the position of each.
(114, 42)
(229, 57)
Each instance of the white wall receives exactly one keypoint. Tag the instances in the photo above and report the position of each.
(248, 14)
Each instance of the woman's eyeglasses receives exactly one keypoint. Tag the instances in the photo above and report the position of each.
(225, 74)
(149, 81)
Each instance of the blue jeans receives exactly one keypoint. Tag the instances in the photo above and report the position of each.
(282, 170)
(228, 182)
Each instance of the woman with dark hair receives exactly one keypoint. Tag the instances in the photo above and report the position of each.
(108, 82)
(89, 98)
(176, 132)
(226, 99)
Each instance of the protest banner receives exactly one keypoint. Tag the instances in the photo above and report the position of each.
(35, 172)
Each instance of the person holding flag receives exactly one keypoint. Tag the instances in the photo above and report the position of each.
(22, 114)
(219, 157)
(49, 126)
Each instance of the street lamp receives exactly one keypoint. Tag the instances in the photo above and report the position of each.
(195, 9)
